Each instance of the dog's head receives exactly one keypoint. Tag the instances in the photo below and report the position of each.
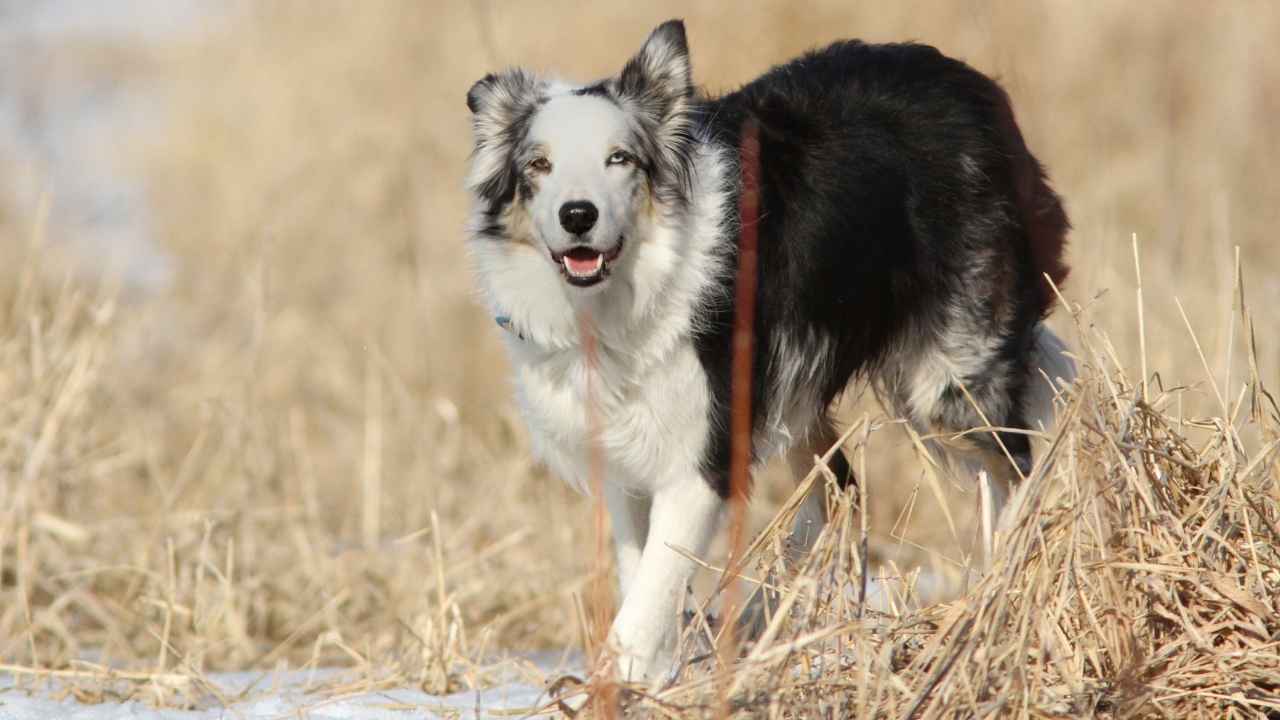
(569, 176)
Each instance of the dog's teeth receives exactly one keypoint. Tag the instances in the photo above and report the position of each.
(582, 269)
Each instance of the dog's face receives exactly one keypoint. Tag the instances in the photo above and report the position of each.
(581, 184)
(571, 175)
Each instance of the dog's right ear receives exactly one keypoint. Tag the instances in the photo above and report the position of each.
(503, 96)
(477, 93)
(501, 106)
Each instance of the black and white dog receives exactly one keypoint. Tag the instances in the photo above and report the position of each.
(905, 234)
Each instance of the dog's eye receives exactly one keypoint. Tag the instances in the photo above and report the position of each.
(541, 165)
(619, 157)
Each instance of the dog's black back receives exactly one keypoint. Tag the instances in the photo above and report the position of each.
(905, 232)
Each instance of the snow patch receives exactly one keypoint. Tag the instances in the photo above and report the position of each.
(283, 695)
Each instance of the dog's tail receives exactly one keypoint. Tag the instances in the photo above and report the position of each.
(1039, 208)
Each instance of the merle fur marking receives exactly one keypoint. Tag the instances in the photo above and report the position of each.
(904, 235)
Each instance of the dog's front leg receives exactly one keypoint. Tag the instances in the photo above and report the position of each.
(629, 514)
(683, 515)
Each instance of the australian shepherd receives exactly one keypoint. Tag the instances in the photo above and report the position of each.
(902, 233)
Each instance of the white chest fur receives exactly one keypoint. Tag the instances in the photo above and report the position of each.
(641, 401)
(641, 422)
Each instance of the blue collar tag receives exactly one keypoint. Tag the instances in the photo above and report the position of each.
(504, 322)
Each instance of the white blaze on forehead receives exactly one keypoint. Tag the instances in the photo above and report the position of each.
(578, 131)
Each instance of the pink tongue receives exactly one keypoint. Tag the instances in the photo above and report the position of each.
(582, 263)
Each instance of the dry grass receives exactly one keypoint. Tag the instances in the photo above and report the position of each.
(1143, 580)
(302, 453)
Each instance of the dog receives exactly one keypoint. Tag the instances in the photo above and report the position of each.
(903, 233)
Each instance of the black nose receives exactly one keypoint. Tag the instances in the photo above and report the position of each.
(578, 216)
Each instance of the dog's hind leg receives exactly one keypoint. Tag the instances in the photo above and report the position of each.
(811, 517)
(951, 394)
(1049, 369)
(965, 379)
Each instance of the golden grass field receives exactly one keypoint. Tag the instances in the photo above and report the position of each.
(303, 452)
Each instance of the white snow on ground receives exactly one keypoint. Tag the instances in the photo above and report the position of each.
(291, 694)
(289, 699)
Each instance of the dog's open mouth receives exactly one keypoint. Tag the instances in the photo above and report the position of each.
(584, 266)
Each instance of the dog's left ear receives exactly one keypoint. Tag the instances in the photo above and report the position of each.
(658, 84)
(659, 76)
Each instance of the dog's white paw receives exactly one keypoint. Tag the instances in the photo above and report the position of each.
(646, 658)
(646, 670)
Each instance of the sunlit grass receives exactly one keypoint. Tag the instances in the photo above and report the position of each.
(303, 453)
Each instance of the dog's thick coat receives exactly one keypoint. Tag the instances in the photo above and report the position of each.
(905, 235)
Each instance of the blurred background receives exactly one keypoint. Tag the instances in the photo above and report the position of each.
(249, 411)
